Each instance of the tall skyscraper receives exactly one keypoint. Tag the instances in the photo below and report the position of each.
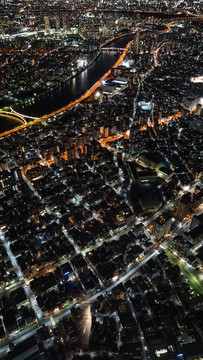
(183, 206)
(137, 43)
(58, 25)
(162, 226)
(65, 25)
(47, 23)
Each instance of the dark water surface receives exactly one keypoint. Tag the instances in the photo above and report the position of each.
(72, 89)
(8, 123)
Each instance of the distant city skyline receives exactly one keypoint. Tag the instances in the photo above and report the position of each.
(101, 180)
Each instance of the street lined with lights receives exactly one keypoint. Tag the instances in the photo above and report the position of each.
(72, 179)
(87, 94)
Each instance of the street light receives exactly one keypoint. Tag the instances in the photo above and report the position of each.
(97, 95)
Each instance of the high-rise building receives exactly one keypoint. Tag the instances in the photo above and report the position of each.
(197, 199)
(137, 43)
(47, 23)
(1, 29)
(198, 109)
(65, 27)
(162, 226)
(57, 24)
(183, 206)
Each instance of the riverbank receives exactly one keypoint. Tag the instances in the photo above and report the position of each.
(31, 99)
(10, 121)
(75, 102)
(44, 101)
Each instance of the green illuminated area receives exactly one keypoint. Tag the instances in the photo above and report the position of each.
(193, 279)
(65, 305)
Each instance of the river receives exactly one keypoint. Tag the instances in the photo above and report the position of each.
(8, 123)
(71, 89)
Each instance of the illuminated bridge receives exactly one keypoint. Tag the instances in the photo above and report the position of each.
(16, 116)
(112, 49)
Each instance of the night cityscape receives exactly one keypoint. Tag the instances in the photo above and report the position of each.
(101, 164)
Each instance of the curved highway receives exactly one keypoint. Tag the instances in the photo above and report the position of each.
(75, 102)
(89, 92)
(130, 271)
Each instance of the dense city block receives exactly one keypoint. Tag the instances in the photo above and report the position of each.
(101, 212)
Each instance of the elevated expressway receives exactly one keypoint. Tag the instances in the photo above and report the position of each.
(16, 116)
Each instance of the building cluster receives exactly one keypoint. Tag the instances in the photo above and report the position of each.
(43, 45)
(151, 315)
(34, 67)
(101, 217)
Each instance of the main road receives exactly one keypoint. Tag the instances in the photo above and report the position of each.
(83, 97)
(131, 271)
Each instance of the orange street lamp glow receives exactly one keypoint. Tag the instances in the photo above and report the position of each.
(73, 103)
